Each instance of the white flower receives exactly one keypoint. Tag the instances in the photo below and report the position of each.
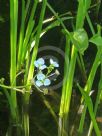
(40, 63)
(54, 63)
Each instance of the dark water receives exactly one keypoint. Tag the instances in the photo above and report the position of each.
(4, 62)
(40, 118)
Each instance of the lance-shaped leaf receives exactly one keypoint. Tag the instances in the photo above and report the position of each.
(82, 10)
(89, 103)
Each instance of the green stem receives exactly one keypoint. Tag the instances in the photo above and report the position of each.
(82, 67)
(66, 71)
(29, 30)
(70, 80)
(66, 95)
(90, 24)
(58, 18)
(21, 36)
(13, 42)
(31, 72)
(93, 71)
(13, 24)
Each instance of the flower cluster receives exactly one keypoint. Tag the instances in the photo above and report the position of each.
(41, 78)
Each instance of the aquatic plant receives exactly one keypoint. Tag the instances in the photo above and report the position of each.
(41, 78)
(28, 73)
(18, 59)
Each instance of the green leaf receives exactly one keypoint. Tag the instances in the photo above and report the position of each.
(80, 40)
(87, 98)
(87, 4)
(81, 13)
(89, 103)
(96, 39)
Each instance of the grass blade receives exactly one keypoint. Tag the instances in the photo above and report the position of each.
(88, 101)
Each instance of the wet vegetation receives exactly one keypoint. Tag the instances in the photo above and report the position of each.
(51, 68)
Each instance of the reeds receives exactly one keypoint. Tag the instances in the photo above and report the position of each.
(21, 42)
(22, 65)
(67, 89)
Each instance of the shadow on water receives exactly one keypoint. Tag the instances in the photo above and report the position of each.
(4, 62)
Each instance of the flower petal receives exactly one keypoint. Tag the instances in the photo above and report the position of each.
(47, 82)
(51, 61)
(56, 64)
(42, 67)
(36, 64)
(41, 61)
(40, 76)
(38, 83)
